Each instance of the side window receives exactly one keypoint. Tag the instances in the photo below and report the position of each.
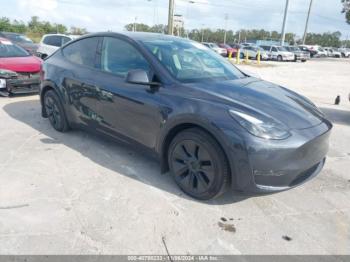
(82, 52)
(54, 40)
(274, 49)
(119, 57)
(65, 39)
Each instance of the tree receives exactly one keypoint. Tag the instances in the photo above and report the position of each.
(325, 39)
(346, 10)
(77, 31)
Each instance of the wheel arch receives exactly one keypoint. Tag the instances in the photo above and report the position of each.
(179, 127)
(47, 86)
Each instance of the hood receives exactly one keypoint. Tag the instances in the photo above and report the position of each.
(28, 64)
(293, 110)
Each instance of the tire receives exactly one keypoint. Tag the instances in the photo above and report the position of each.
(279, 58)
(303, 61)
(55, 112)
(256, 58)
(198, 164)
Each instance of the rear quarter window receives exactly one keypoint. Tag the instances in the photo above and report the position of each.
(82, 52)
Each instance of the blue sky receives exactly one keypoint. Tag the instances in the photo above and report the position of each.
(102, 15)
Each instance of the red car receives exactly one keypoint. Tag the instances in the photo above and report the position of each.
(19, 70)
(229, 49)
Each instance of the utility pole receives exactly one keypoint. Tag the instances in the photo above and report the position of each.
(171, 17)
(226, 18)
(284, 22)
(307, 22)
(135, 29)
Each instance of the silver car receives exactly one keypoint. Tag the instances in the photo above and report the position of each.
(300, 55)
(252, 52)
(216, 48)
(278, 53)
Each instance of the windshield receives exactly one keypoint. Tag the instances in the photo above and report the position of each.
(18, 38)
(191, 62)
(281, 48)
(7, 49)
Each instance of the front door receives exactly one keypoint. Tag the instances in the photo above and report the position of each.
(127, 110)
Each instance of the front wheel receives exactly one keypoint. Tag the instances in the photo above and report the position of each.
(279, 58)
(198, 164)
(55, 112)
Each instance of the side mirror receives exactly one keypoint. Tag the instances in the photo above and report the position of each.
(139, 77)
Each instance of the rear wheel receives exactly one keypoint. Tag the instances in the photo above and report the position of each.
(198, 164)
(55, 112)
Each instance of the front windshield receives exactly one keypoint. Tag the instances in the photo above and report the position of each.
(190, 62)
(18, 38)
(281, 48)
(7, 49)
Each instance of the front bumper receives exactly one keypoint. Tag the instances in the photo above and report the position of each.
(21, 86)
(288, 58)
(277, 165)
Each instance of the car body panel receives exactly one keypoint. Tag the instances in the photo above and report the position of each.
(29, 64)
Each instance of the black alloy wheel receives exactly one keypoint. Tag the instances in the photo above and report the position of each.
(198, 164)
(54, 111)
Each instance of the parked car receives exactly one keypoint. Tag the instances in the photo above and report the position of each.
(300, 55)
(252, 52)
(229, 49)
(19, 70)
(278, 53)
(216, 48)
(204, 119)
(20, 40)
(310, 51)
(51, 42)
(332, 52)
(345, 52)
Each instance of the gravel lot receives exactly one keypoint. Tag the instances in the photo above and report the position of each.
(75, 193)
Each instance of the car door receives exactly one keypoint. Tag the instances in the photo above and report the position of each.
(80, 82)
(127, 110)
(274, 52)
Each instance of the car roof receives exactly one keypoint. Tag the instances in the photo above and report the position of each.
(54, 34)
(137, 36)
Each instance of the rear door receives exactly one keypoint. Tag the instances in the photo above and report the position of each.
(80, 80)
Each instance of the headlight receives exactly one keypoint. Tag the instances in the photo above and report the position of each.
(2, 83)
(7, 73)
(261, 126)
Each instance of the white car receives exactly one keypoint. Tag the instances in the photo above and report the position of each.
(51, 42)
(345, 52)
(278, 53)
(216, 48)
(331, 52)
